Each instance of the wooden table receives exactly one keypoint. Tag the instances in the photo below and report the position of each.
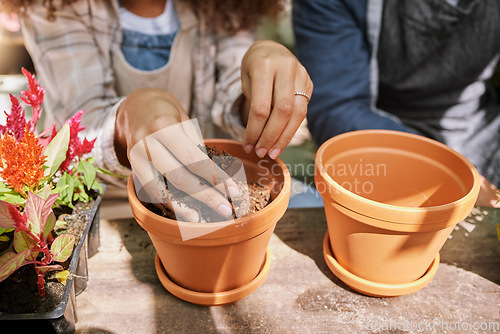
(300, 294)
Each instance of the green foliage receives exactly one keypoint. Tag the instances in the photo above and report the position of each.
(31, 238)
(62, 177)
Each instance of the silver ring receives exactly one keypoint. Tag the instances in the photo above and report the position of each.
(303, 94)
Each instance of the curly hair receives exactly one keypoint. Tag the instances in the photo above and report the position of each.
(228, 16)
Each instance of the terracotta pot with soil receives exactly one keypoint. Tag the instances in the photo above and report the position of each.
(391, 201)
(226, 261)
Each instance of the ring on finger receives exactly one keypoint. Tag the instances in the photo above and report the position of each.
(303, 94)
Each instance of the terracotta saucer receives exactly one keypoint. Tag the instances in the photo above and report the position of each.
(375, 289)
(215, 298)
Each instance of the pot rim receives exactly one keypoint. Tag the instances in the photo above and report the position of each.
(390, 210)
(158, 222)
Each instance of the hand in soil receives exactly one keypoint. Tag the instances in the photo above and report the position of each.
(170, 166)
(252, 196)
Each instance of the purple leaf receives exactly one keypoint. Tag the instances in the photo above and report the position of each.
(37, 210)
(10, 217)
(44, 269)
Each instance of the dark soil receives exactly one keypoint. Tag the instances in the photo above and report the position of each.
(259, 196)
(19, 292)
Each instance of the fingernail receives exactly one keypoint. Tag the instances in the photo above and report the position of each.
(274, 153)
(248, 148)
(233, 191)
(225, 210)
(261, 152)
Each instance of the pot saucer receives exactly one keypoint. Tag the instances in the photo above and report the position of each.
(213, 298)
(375, 289)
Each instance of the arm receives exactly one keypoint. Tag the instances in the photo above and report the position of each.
(331, 43)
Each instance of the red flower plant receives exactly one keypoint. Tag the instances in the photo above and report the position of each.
(33, 97)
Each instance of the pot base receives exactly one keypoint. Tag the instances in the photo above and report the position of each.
(213, 298)
(375, 289)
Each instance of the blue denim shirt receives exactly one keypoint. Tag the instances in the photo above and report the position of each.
(417, 66)
(332, 44)
(146, 52)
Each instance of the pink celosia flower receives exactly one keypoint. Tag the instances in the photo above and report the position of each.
(76, 148)
(33, 96)
(15, 122)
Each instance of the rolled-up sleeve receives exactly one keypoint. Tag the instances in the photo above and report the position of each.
(226, 110)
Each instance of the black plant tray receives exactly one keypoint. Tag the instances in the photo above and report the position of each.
(61, 319)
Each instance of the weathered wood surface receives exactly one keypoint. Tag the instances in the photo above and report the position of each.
(300, 294)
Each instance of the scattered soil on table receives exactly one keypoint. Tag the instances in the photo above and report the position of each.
(258, 195)
(19, 292)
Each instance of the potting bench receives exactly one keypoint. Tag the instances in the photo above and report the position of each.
(300, 294)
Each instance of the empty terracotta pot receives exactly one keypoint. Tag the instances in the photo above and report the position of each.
(226, 261)
(391, 200)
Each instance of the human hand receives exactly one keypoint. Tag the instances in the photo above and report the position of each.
(488, 195)
(270, 75)
(160, 140)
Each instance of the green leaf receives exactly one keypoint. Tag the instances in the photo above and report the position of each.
(49, 225)
(13, 198)
(498, 231)
(58, 190)
(89, 172)
(107, 172)
(22, 242)
(4, 188)
(56, 150)
(10, 262)
(62, 247)
(44, 192)
(98, 187)
(5, 230)
(68, 184)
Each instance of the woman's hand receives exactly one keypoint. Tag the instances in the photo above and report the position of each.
(154, 134)
(270, 76)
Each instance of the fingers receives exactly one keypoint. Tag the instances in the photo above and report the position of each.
(297, 116)
(165, 143)
(180, 176)
(260, 91)
(190, 156)
(275, 111)
(270, 130)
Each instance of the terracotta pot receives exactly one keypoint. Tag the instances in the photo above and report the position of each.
(226, 261)
(391, 200)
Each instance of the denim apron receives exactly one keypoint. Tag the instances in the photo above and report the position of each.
(435, 61)
(176, 77)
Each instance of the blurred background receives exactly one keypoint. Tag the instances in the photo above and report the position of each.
(13, 56)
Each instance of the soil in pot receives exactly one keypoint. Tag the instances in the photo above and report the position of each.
(19, 292)
(258, 195)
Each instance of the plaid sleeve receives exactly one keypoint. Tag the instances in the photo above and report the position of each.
(72, 60)
(228, 96)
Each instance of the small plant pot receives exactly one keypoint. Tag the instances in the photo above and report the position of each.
(227, 260)
(391, 201)
(63, 317)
